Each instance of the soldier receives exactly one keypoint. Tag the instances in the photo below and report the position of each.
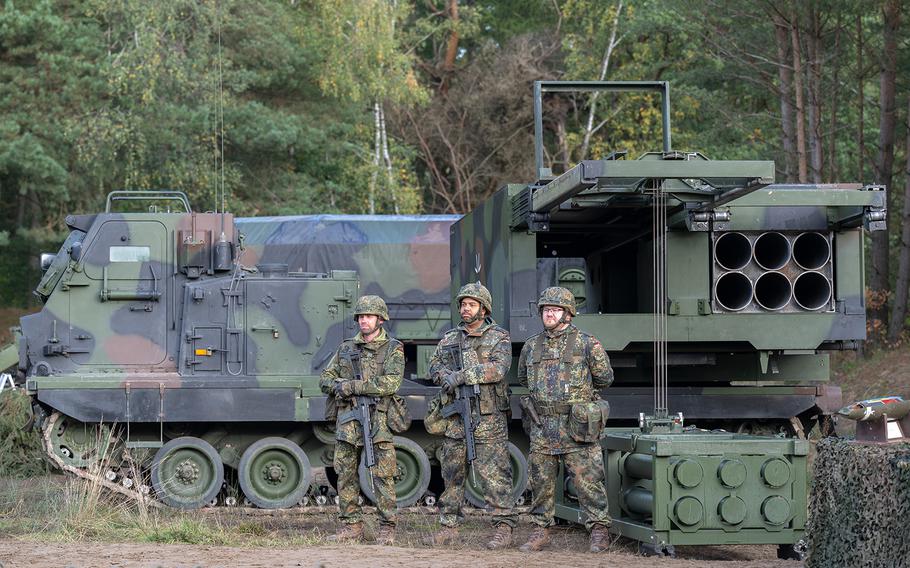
(382, 366)
(487, 356)
(563, 369)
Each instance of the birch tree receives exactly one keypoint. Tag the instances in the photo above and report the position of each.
(362, 59)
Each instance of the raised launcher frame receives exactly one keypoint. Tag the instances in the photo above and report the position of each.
(700, 488)
(763, 363)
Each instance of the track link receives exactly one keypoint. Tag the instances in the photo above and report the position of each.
(86, 474)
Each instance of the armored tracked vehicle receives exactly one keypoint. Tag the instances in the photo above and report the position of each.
(190, 344)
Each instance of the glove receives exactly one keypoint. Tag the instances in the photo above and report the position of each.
(451, 381)
(343, 389)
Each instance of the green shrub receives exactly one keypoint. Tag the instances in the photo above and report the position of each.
(21, 452)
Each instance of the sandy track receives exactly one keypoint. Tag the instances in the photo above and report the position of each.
(25, 554)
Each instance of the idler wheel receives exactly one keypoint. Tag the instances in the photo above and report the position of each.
(473, 491)
(187, 473)
(274, 473)
(412, 475)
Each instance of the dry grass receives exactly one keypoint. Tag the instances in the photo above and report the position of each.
(883, 373)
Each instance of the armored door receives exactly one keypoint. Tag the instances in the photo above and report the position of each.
(293, 325)
(118, 305)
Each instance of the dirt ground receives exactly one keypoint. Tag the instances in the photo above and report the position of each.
(568, 547)
(38, 538)
(566, 550)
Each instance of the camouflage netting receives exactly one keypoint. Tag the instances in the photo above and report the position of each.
(859, 511)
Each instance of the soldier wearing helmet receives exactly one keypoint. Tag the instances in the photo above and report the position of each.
(564, 368)
(487, 355)
(381, 362)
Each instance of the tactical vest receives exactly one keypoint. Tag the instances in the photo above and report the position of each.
(572, 356)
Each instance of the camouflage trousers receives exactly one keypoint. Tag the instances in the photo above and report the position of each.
(586, 467)
(493, 472)
(347, 462)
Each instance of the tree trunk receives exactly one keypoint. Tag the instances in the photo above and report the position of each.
(387, 160)
(813, 84)
(884, 161)
(604, 65)
(902, 285)
(562, 141)
(802, 166)
(374, 174)
(835, 92)
(860, 127)
(448, 64)
(785, 75)
(860, 134)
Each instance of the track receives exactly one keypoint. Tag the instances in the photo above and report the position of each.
(312, 504)
(140, 495)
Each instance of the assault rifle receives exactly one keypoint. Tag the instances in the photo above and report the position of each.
(362, 413)
(466, 398)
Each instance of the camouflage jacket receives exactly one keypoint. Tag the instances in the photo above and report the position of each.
(382, 364)
(487, 357)
(557, 379)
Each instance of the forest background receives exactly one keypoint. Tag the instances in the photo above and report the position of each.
(424, 106)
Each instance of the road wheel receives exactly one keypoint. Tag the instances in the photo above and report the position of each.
(187, 473)
(274, 473)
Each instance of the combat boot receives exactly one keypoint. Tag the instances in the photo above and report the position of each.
(538, 539)
(600, 538)
(501, 538)
(445, 535)
(386, 535)
(352, 532)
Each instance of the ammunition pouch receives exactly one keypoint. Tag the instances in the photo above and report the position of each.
(434, 422)
(397, 417)
(587, 421)
(494, 398)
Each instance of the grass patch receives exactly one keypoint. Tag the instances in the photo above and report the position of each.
(21, 452)
(188, 531)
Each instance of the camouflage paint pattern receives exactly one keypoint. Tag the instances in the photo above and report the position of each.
(585, 466)
(347, 460)
(549, 379)
(382, 362)
(487, 357)
(493, 472)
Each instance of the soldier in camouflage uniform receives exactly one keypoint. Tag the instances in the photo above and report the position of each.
(487, 356)
(382, 366)
(563, 366)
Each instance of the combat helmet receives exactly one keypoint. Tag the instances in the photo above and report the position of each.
(557, 296)
(477, 291)
(371, 306)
